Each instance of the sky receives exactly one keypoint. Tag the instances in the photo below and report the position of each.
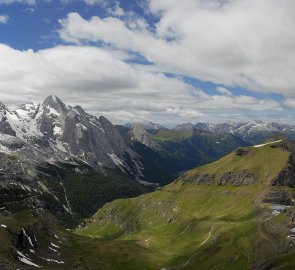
(165, 61)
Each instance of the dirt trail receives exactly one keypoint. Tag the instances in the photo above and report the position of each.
(209, 235)
(203, 243)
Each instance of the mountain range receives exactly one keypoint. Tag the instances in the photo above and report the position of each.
(252, 131)
(142, 196)
(235, 213)
(61, 158)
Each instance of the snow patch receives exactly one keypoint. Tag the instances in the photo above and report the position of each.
(54, 250)
(54, 245)
(26, 260)
(52, 260)
(57, 130)
(260, 145)
(52, 111)
(275, 212)
(28, 237)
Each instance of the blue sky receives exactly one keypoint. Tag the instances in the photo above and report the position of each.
(164, 61)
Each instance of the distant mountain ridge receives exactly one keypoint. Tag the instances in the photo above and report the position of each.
(147, 125)
(253, 131)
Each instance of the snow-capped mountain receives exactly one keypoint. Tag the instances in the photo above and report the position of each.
(242, 129)
(52, 132)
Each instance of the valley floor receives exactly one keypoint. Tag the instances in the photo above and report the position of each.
(180, 227)
(198, 227)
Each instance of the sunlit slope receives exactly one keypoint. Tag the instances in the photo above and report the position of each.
(264, 162)
(191, 225)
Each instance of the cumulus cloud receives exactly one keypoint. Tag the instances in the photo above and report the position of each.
(104, 82)
(8, 2)
(4, 19)
(26, 2)
(245, 43)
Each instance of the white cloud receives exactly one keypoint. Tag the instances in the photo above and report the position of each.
(187, 113)
(101, 81)
(4, 19)
(245, 43)
(224, 91)
(8, 2)
(26, 2)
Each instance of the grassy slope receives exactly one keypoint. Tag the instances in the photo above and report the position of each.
(175, 223)
(265, 161)
(76, 252)
(211, 227)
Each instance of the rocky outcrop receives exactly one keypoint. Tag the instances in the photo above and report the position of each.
(241, 152)
(229, 178)
(286, 176)
(138, 133)
(237, 178)
(201, 179)
(281, 197)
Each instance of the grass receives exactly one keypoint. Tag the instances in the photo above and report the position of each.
(265, 161)
(171, 135)
(175, 223)
(190, 226)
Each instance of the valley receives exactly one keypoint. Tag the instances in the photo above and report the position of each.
(148, 198)
(147, 135)
(190, 224)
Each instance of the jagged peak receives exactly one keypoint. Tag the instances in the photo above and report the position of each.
(103, 119)
(54, 102)
(80, 110)
(2, 106)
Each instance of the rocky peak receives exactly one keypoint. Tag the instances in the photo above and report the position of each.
(52, 130)
(55, 103)
(185, 127)
(2, 107)
(79, 110)
(138, 133)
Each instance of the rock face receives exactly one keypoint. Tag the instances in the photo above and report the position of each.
(139, 133)
(145, 125)
(237, 178)
(229, 178)
(241, 152)
(57, 132)
(202, 179)
(286, 176)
